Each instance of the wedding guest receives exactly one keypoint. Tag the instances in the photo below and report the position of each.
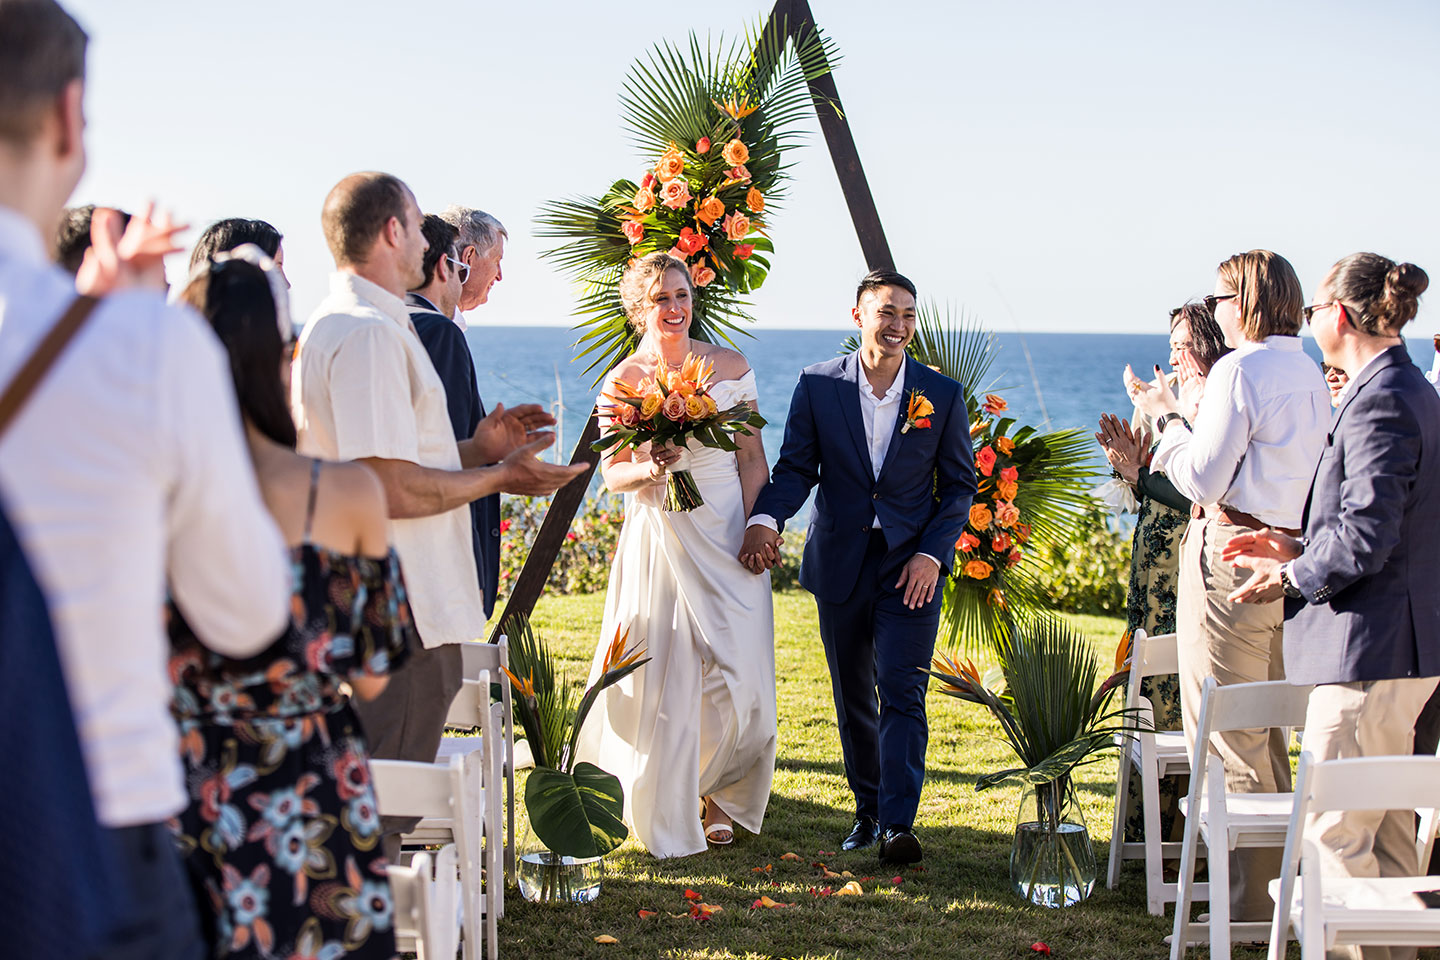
(1246, 462)
(73, 237)
(281, 831)
(1196, 342)
(1434, 375)
(364, 389)
(433, 307)
(1335, 380)
(233, 232)
(482, 245)
(695, 728)
(1359, 589)
(125, 471)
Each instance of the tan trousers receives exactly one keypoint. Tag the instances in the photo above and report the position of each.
(1234, 643)
(1365, 720)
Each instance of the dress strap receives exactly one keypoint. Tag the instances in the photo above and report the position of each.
(310, 506)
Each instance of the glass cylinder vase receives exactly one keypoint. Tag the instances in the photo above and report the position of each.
(548, 877)
(1052, 862)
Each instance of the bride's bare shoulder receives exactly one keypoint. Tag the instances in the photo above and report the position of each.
(631, 369)
(729, 364)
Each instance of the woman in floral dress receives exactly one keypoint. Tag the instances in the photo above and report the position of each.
(282, 836)
(1196, 342)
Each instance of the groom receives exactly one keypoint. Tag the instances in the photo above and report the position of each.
(887, 440)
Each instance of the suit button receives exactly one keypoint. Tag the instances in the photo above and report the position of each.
(494, 532)
(874, 496)
(865, 529)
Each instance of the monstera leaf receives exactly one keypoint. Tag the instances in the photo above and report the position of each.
(576, 814)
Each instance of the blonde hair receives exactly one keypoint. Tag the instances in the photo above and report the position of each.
(637, 286)
(1267, 292)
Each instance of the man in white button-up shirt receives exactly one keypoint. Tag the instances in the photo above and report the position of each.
(365, 389)
(125, 475)
(1246, 463)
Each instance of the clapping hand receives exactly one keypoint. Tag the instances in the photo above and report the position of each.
(1263, 552)
(503, 431)
(1124, 447)
(1152, 399)
(1192, 385)
(126, 256)
(761, 548)
(528, 476)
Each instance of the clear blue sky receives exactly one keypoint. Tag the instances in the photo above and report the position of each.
(1052, 165)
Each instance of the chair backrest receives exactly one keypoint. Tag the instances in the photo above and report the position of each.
(1155, 655)
(471, 700)
(426, 904)
(1374, 783)
(1247, 706)
(405, 788)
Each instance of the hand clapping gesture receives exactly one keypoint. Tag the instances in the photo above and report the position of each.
(503, 431)
(1192, 385)
(1264, 552)
(1127, 449)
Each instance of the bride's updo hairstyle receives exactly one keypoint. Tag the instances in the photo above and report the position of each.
(637, 286)
(1382, 295)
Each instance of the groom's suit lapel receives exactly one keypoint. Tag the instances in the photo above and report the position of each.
(907, 371)
(848, 394)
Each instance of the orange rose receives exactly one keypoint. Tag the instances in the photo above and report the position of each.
(634, 231)
(736, 226)
(1005, 445)
(690, 241)
(980, 516)
(995, 403)
(709, 210)
(743, 250)
(755, 201)
(701, 275)
(1000, 543)
(735, 153)
(629, 416)
(978, 570)
(651, 404)
(738, 173)
(670, 165)
(675, 194)
(694, 408)
(644, 199)
(985, 461)
(967, 543)
(1010, 475)
(1006, 514)
(702, 146)
(1006, 490)
(674, 407)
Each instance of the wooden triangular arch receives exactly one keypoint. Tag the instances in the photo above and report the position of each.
(794, 17)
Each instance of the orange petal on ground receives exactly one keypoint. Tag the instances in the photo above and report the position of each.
(692, 895)
(851, 889)
(646, 914)
(790, 856)
(606, 938)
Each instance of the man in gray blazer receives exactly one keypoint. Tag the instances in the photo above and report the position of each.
(1362, 587)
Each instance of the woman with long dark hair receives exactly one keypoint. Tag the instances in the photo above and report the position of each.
(282, 833)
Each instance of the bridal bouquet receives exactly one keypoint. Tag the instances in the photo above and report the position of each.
(674, 407)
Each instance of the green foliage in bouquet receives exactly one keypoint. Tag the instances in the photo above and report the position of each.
(713, 124)
(576, 809)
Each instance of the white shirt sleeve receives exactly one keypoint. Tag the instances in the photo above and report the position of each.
(1434, 375)
(226, 561)
(763, 520)
(1202, 462)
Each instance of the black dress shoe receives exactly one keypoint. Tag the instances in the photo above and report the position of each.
(863, 834)
(898, 845)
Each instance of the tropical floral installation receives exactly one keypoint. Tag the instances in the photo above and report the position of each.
(1033, 488)
(712, 125)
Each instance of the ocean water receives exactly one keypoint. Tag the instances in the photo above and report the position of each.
(1064, 380)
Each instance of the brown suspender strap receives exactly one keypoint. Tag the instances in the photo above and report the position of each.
(33, 371)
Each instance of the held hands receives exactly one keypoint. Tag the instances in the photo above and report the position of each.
(503, 431)
(124, 257)
(1263, 552)
(918, 580)
(761, 548)
(1152, 399)
(525, 475)
(1126, 448)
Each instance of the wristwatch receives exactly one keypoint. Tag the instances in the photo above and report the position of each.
(1291, 591)
(1165, 419)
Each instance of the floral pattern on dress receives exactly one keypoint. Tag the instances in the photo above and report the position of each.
(282, 831)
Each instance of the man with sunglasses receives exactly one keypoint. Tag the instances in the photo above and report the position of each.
(433, 306)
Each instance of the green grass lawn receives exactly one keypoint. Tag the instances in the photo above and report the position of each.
(959, 906)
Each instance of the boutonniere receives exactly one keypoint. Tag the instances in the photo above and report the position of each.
(917, 414)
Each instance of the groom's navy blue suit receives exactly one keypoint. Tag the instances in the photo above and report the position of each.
(922, 500)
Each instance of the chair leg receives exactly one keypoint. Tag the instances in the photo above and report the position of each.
(1219, 864)
(1184, 889)
(1117, 828)
(1154, 860)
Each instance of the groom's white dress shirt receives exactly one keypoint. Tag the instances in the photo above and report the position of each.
(1434, 375)
(128, 469)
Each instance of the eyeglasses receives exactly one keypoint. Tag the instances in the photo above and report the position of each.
(1211, 300)
(461, 267)
(1310, 310)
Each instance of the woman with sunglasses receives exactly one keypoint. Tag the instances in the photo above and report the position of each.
(1246, 463)
(281, 832)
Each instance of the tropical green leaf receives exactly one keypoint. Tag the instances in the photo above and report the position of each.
(547, 715)
(577, 814)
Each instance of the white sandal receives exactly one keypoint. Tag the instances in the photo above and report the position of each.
(719, 834)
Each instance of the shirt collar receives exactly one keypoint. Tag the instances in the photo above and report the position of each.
(20, 239)
(863, 384)
(1273, 342)
(459, 319)
(416, 300)
(372, 294)
(1351, 383)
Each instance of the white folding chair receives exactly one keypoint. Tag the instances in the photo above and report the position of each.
(1156, 754)
(451, 793)
(427, 913)
(1223, 822)
(1380, 911)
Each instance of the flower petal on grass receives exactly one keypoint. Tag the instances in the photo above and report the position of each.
(606, 938)
(646, 914)
(692, 895)
(765, 869)
(1040, 947)
(851, 889)
(767, 904)
(790, 856)
(897, 879)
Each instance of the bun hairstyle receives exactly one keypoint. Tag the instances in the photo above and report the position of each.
(1383, 293)
(640, 279)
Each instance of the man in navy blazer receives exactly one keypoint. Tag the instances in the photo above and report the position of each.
(1362, 587)
(887, 441)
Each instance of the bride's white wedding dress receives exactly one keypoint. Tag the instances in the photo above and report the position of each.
(699, 718)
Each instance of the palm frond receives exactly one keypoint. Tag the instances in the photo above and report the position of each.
(956, 344)
(546, 717)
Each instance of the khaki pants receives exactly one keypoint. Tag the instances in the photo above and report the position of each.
(1234, 643)
(1373, 719)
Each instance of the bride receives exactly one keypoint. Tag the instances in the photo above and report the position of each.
(694, 729)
